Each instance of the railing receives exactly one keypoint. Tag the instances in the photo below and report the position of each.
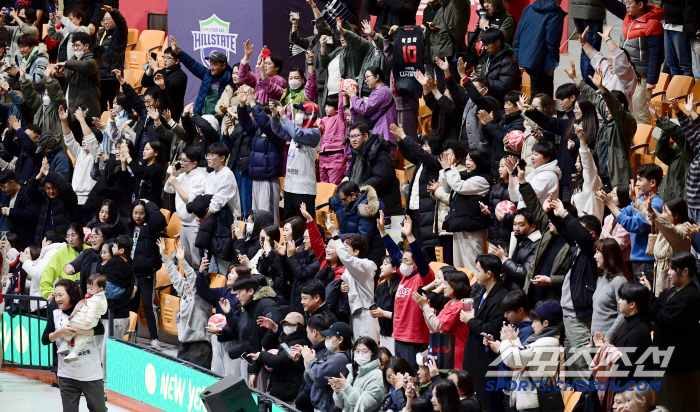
(20, 336)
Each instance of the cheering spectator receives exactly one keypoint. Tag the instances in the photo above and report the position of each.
(544, 177)
(369, 51)
(34, 60)
(447, 31)
(589, 15)
(331, 361)
(365, 381)
(445, 115)
(678, 156)
(611, 227)
(45, 106)
(84, 155)
(22, 145)
(371, 165)
(174, 77)
(499, 66)
(112, 38)
(313, 297)
(14, 32)
(500, 223)
(587, 181)
(74, 20)
(521, 252)
(53, 242)
(89, 260)
(393, 12)
(213, 80)
(266, 81)
(300, 88)
(497, 129)
(82, 79)
(149, 172)
(55, 269)
(379, 110)
(384, 298)
(58, 202)
(331, 160)
(536, 43)
(21, 209)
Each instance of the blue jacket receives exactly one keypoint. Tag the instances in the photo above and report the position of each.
(60, 163)
(203, 74)
(361, 218)
(541, 23)
(212, 297)
(28, 161)
(639, 228)
(266, 157)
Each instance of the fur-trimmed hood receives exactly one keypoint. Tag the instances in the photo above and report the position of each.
(371, 208)
(264, 292)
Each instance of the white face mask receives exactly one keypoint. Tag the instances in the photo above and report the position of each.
(330, 347)
(46, 100)
(79, 54)
(406, 269)
(299, 119)
(249, 227)
(289, 329)
(363, 359)
(295, 84)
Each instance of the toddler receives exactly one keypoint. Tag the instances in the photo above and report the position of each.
(85, 316)
(116, 265)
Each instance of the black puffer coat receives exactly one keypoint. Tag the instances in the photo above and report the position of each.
(503, 73)
(146, 254)
(61, 210)
(250, 244)
(302, 267)
(113, 42)
(286, 376)
(215, 230)
(515, 269)
(499, 231)
(426, 204)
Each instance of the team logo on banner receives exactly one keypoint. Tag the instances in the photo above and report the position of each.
(213, 35)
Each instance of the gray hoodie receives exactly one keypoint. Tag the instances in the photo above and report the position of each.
(194, 311)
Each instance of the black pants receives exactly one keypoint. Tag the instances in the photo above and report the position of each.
(108, 91)
(408, 351)
(447, 245)
(198, 353)
(292, 205)
(647, 268)
(145, 284)
(71, 390)
(540, 82)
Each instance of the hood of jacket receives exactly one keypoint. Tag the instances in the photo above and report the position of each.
(261, 219)
(373, 145)
(264, 292)
(48, 248)
(546, 6)
(371, 208)
(552, 166)
(507, 51)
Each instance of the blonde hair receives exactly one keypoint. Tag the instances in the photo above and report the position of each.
(643, 397)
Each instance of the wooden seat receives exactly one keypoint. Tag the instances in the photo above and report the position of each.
(132, 39)
(170, 245)
(679, 87)
(168, 309)
(661, 164)
(174, 226)
(525, 85)
(639, 159)
(216, 280)
(424, 118)
(642, 138)
(150, 40)
(324, 191)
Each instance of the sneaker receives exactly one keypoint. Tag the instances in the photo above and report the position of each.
(63, 350)
(155, 345)
(70, 358)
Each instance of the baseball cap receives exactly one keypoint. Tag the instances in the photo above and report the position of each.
(217, 56)
(46, 140)
(339, 329)
(307, 107)
(293, 318)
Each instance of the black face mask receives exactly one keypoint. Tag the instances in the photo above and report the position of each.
(521, 237)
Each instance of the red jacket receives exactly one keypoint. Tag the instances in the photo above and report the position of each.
(643, 39)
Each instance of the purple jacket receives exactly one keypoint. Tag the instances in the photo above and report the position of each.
(266, 89)
(373, 107)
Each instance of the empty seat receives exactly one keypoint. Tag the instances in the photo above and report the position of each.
(150, 40)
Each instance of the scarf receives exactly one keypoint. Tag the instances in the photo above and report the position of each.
(358, 157)
(548, 332)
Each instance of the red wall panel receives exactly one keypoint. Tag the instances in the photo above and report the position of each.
(136, 11)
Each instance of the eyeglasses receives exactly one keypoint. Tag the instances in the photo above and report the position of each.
(211, 156)
(355, 136)
(73, 236)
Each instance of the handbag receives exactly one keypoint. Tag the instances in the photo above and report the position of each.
(652, 239)
(550, 400)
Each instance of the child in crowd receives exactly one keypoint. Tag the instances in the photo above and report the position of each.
(116, 265)
(331, 161)
(86, 315)
(384, 297)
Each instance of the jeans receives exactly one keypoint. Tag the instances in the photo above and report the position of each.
(113, 291)
(245, 188)
(695, 53)
(677, 53)
(409, 350)
(592, 37)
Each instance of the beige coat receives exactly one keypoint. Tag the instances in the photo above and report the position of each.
(442, 204)
(230, 99)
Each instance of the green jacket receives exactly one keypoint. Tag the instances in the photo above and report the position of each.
(533, 205)
(350, 64)
(372, 54)
(456, 14)
(46, 117)
(620, 131)
(678, 158)
(54, 269)
(368, 388)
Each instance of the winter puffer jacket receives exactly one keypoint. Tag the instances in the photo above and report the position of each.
(536, 43)
(204, 74)
(301, 267)
(467, 190)
(453, 20)
(392, 12)
(286, 375)
(238, 142)
(61, 210)
(587, 9)
(494, 132)
(266, 159)
(83, 83)
(370, 51)
(502, 71)
(499, 231)
(146, 255)
(250, 244)
(430, 165)
(520, 257)
(215, 230)
(361, 219)
(113, 43)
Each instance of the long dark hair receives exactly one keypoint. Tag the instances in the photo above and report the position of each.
(623, 199)
(684, 260)
(447, 396)
(111, 206)
(613, 263)
(398, 365)
(589, 122)
(393, 282)
(371, 345)
(679, 207)
(578, 180)
(131, 212)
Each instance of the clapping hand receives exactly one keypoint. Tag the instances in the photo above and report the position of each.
(485, 117)
(582, 36)
(447, 160)
(433, 186)
(442, 64)
(509, 332)
(606, 198)
(558, 208)
(225, 305)
(422, 79)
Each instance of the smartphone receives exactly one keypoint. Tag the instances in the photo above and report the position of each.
(3, 234)
(177, 166)
(154, 56)
(329, 39)
(421, 290)
(84, 109)
(287, 349)
(521, 165)
(247, 360)
(467, 304)
(373, 307)
(295, 15)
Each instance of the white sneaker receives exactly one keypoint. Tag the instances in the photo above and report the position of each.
(70, 358)
(155, 345)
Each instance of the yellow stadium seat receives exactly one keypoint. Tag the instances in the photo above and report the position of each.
(525, 85)
(642, 138)
(166, 213)
(402, 175)
(436, 266)
(170, 245)
(71, 157)
(216, 280)
(133, 77)
(168, 309)
(132, 38)
(679, 87)
(149, 40)
(174, 226)
(135, 59)
(105, 116)
(131, 333)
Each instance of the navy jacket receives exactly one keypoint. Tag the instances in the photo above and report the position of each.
(361, 218)
(24, 216)
(266, 157)
(203, 74)
(28, 161)
(212, 297)
(536, 43)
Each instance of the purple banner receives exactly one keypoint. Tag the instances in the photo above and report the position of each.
(201, 26)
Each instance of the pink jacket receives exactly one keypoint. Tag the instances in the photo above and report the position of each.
(266, 89)
(619, 234)
(624, 78)
(333, 131)
(372, 108)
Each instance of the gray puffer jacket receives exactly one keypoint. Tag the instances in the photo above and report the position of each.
(194, 311)
(373, 55)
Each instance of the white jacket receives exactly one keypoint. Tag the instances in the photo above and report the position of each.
(90, 311)
(584, 199)
(544, 181)
(359, 275)
(623, 78)
(194, 184)
(542, 357)
(82, 182)
(35, 268)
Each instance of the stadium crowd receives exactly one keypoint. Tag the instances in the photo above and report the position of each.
(524, 229)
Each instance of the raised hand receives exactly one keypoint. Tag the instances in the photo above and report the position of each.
(225, 305)
(248, 50)
(523, 105)
(153, 113)
(380, 223)
(23, 71)
(167, 116)
(173, 45)
(309, 56)
(572, 70)
(689, 103)
(48, 72)
(422, 79)
(597, 79)
(433, 186)
(558, 208)
(366, 27)
(461, 68)
(652, 111)
(397, 131)
(339, 25)
(118, 74)
(582, 36)
(292, 19)
(159, 81)
(606, 33)
(406, 226)
(161, 247)
(580, 134)
(446, 160)
(79, 114)
(305, 213)
(393, 29)
(442, 64)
